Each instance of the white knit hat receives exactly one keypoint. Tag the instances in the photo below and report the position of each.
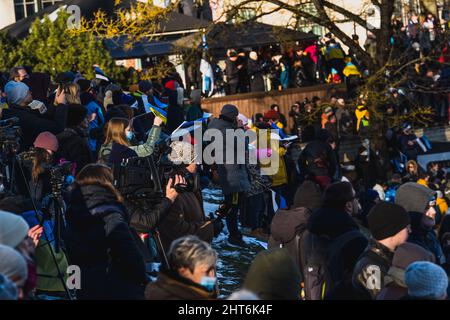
(13, 265)
(13, 229)
(182, 152)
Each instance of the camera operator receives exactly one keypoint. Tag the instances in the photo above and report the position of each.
(119, 134)
(31, 121)
(186, 215)
(36, 174)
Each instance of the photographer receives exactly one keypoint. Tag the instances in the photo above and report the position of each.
(186, 215)
(118, 137)
(31, 121)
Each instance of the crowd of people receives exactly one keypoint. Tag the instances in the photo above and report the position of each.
(379, 230)
(325, 61)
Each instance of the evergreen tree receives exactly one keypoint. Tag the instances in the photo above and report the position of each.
(9, 55)
(49, 48)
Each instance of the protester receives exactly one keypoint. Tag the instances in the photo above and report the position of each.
(233, 176)
(420, 201)
(99, 240)
(14, 267)
(119, 134)
(32, 122)
(255, 72)
(73, 141)
(333, 241)
(388, 224)
(273, 275)
(192, 272)
(405, 254)
(426, 281)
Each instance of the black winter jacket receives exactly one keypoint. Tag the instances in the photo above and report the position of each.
(99, 241)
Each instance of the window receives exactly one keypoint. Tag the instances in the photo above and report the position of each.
(26, 8)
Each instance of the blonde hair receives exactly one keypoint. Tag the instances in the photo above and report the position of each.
(100, 175)
(115, 131)
(73, 94)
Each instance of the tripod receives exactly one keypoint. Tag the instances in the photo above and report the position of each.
(41, 220)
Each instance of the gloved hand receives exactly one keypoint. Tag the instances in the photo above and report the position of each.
(217, 226)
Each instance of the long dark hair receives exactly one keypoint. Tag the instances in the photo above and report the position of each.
(39, 161)
(100, 175)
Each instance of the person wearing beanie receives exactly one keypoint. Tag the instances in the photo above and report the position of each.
(233, 177)
(420, 202)
(32, 122)
(17, 93)
(186, 216)
(273, 275)
(426, 281)
(405, 255)
(195, 111)
(36, 172)
(13, 266)
(389, 225)
(8, 289)
(73, 141)
(13, 229)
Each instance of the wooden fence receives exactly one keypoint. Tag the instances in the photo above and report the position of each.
(260, 102)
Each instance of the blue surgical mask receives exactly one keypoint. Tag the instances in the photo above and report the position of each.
(209, 283)
(130, 135)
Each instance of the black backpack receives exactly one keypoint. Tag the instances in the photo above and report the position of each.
(323, 267)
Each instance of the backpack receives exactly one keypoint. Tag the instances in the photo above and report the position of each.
(288, 229)
(323, 267)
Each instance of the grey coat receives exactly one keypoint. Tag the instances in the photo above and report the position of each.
(233, 176)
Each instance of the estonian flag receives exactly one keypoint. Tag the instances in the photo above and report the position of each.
(99, 74)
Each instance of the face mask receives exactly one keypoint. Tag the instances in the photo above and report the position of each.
(130, 135)
(209, 283)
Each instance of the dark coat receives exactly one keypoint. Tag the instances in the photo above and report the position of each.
(232, 71)
(74, 147)
(319, 159)
(375, 255)
(255, 74)
(185, 217)
(233, 177)
(100, 242)
(32, 123)
(175, 116)
(170, 286)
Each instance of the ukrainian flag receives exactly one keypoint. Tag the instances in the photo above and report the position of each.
(159, 113)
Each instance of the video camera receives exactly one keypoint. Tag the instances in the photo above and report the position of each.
(9, 136)
(138, 178)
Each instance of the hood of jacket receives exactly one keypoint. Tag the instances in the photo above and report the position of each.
(287, 223)
(331, 222)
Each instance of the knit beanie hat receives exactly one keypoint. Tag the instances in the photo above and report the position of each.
(386, 220)
(274, 275)
(16, 91)
(229, 111)
(408, 253)
(46, 140)
(75, 114)
(426, 280)
(414, 197)
(84, 84)
(145, 85)
(13, 264)
(182, 152)
(8, 289)
(13, 229)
